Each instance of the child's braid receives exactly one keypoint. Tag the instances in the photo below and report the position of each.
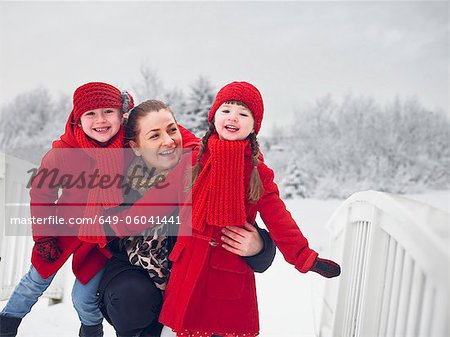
(196, 170)
(256, 186)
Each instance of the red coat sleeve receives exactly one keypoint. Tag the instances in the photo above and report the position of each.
(190, 141)
(43, 196)
(157, 202)
(282, 227)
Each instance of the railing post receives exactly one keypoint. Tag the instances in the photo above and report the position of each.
(15, 249)
(395, 269)
(2, 218)
(332, 292)
(2, 200)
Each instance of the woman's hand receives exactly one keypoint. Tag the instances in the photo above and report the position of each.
(242, 241)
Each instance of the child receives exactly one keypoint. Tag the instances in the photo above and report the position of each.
(130, 298)
(94, 123)
(212, 291)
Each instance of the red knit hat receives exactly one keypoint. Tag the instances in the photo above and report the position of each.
(96, 95)
(244, 92)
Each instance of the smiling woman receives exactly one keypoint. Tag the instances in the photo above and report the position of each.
(156, 138)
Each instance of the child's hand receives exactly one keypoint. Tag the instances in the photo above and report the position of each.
(242, 241)
(326, 268)
(48, 249)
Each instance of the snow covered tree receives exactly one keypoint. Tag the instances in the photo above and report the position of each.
(149, 85)
(297, 182)
(357, 144)
(176, 101)
(199, 101)
(30, 122)
(55, 126)
(25, 117)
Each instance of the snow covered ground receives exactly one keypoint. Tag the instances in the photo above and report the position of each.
(289, 302)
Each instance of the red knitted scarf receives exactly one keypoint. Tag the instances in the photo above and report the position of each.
(218, 194)
(109, 161)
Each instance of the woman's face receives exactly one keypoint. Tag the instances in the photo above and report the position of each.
(159, 140)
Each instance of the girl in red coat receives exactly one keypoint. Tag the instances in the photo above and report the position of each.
(92, 144)
(211, 291)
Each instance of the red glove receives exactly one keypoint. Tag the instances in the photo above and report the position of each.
(326, 268)
(48, 249)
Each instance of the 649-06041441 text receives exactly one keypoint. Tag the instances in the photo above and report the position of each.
(57, 220)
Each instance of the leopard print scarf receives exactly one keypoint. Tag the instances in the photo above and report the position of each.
(149, 250)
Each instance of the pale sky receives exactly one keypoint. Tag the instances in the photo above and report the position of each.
(294, 52)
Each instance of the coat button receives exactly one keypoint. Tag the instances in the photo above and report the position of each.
(213, 243)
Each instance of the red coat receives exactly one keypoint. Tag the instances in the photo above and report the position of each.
(212, 290)
(88, 258)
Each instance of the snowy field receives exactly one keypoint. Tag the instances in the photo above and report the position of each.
(289, 302)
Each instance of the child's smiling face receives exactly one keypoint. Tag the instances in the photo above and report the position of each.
(101, 124)
(233, 122)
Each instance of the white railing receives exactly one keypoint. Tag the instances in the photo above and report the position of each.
(395, 259)
(15, 250)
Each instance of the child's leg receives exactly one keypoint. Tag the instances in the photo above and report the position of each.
(85, 300)
(26, 294)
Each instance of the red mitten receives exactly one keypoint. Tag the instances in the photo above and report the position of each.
(326, 268)
(48, 249)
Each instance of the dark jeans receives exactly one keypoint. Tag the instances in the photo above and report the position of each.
(131, 303)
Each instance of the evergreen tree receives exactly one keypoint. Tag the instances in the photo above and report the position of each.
(24, 119)
(149, 85)
(356, 144)
(297, 182)
(199, 101)
(176, 101)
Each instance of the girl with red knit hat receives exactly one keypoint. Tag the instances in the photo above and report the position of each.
(211, 291)
(92, 143)
(134, 279)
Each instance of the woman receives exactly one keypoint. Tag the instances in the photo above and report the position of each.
(131, 293)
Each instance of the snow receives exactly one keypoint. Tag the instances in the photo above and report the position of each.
(289, 302)
(438, 199)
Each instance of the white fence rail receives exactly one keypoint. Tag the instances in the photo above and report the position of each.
(15, 250)
(395, 258)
